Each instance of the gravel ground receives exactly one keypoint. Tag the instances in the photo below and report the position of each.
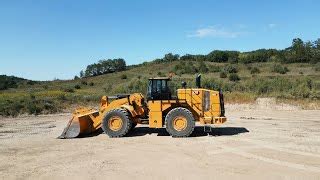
(255, 143)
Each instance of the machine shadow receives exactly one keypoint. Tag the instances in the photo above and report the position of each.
(198, 131)
(96, 133)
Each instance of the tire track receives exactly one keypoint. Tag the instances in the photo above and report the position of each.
(239, 151)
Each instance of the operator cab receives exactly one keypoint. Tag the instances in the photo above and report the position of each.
(158, 89)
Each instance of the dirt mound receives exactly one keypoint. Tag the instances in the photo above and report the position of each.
(263, 104)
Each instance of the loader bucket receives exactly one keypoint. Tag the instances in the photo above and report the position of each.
(83, 122)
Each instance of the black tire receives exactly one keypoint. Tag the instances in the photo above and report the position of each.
(126, 123)
(133, 125)
(171, 116)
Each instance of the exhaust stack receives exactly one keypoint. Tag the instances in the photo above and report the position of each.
(198, 81)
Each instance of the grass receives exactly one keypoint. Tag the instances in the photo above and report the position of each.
(300, 84)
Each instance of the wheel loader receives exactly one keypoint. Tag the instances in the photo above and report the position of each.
(178, 112)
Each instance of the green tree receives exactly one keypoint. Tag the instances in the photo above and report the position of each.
(170, 57)
(81, 74)
(217, 56)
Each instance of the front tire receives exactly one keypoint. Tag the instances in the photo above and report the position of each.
(116, 123)
(180, 122)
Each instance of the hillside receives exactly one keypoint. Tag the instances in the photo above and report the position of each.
(291, 74)
(242, 83)
(7, 82)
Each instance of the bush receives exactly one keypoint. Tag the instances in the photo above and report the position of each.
(91, 84)
(84, 83)
(278, 68)
(123, 76)
(223, 74)
(234, 77)
(69, 90)
(160, 74)
(214, 68)
(31, 83)
(10, 108)
(317, 66)
(33, 108)
(255, 70)
(185, 68)
(231, 69)
(77, 86)
(202, 67)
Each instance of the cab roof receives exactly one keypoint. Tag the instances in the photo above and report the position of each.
(160, 78)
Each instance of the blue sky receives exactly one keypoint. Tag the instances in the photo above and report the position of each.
(47, 39)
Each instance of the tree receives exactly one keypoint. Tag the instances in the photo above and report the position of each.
(170, 57)
(317, 44)
(81, 74)
(187, 57)
(297, 52)
(217, 56)
(104, 67)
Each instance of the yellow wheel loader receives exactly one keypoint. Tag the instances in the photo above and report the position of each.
(178, 113)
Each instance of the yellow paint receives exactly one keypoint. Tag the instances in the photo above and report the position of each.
(192, 99)
(180, 123)
(115, 123)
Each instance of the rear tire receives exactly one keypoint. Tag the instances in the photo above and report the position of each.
(116, 123)
(180, 122)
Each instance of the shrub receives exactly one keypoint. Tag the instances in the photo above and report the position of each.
(33, 108)
(214, 68)
(84, 82)
(91, 84)
(69, 90)
(31, 82)
(63, 97)
(77, 86)
(234, 77)
(160, 74)
(202, 67)
(278, 68)
(185, 68)
(223, 74)
(255, 70)
(317, 66)
(231, 69)
(123, 76)
(10, 108)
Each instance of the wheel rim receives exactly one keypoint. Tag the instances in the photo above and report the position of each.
(115, 123)
(180, 123)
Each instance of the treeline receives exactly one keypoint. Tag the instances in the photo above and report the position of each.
(298, 52)
(104, 67)
(7, 82)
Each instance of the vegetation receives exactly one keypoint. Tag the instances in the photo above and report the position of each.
(278, 68)
(223, 74)
(290, 74)
(104, 67)
(254, 70)
(234, 77)
(7, 82)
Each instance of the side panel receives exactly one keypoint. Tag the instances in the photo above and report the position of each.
(206, 103)
(155, 112)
